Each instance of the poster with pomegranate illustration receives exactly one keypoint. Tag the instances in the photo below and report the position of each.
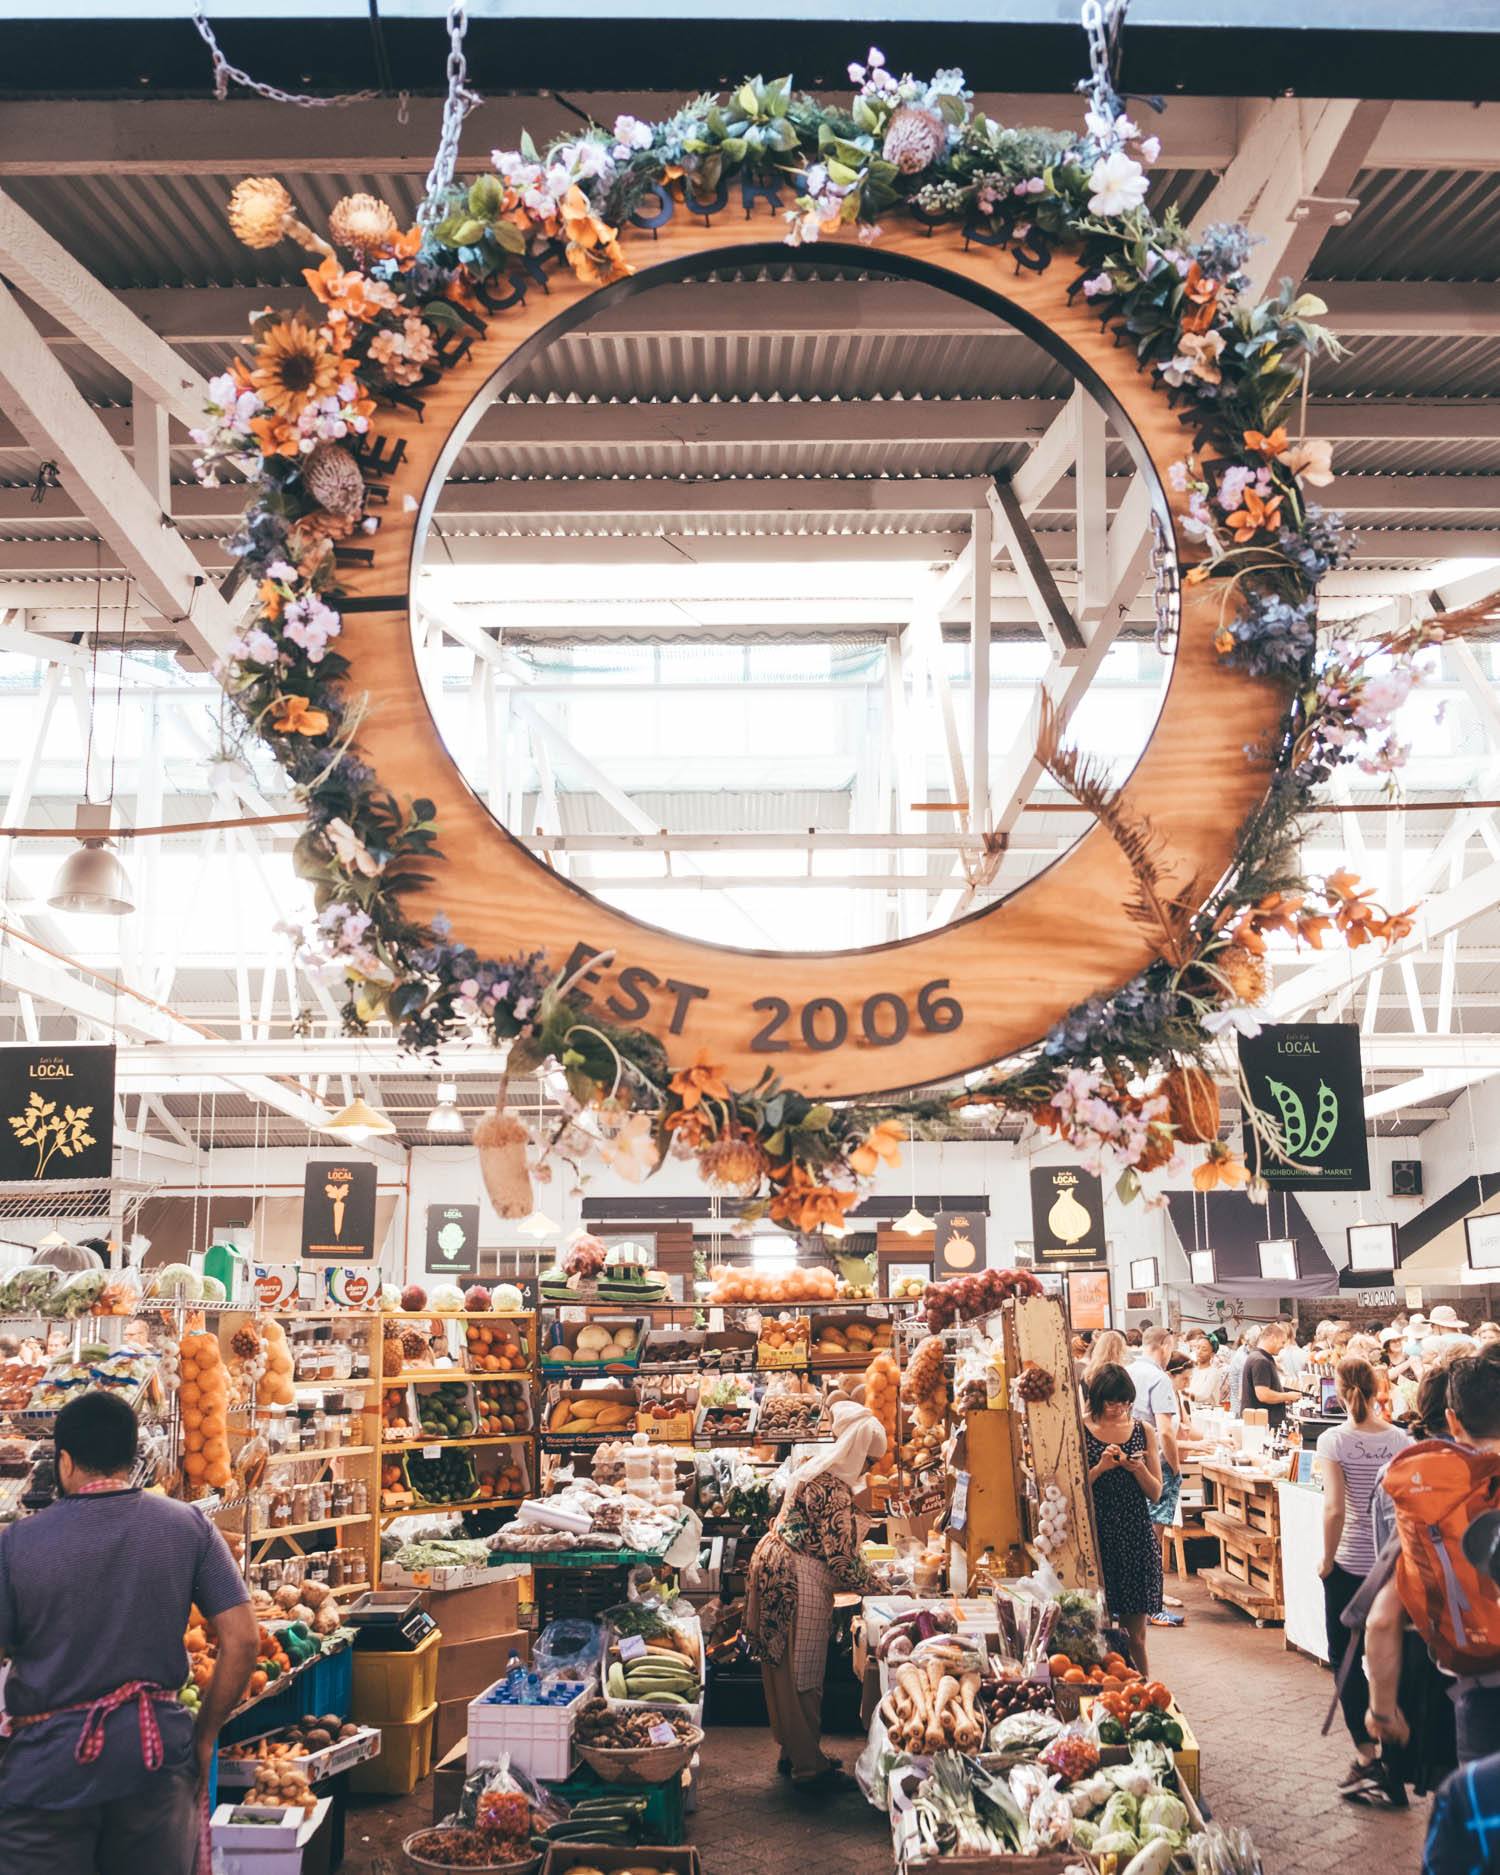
(1067, 1214)
(958, 1244)
(338, 1211)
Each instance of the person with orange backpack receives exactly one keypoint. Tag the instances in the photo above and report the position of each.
(1436, 1574)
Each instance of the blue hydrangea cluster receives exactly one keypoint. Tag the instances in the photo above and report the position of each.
(1107, 1025)
(1274, 635)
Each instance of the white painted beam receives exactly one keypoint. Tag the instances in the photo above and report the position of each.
(41, 400)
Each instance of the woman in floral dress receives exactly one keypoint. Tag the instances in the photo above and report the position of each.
(810, 1550)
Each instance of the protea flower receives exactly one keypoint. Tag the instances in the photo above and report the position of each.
(913, 139)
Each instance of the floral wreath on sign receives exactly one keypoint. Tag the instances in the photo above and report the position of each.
(1126, 1078)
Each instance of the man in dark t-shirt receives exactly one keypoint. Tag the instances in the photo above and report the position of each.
(1261, 1384)
(95, 1593)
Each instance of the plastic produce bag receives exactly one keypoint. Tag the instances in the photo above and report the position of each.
(568, 1649)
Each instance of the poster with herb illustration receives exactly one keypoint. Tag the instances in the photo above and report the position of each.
(452, 1239)
(1307, 1085)
(59, 1111)
(338, 1211)
(1067, 1214)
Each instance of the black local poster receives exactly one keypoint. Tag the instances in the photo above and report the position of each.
(1306, 1077)
(338, 1211)
(59, 1107)
(958, 1244)
(452, 1239)
(1067, 1214)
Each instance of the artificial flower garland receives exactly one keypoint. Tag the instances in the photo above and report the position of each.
(1124, 1078)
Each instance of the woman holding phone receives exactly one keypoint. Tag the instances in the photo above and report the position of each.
(1125, 1476)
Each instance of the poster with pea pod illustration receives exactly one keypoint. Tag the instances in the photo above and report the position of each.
(1307, 1080)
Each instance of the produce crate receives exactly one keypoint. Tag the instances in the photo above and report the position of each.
(455, 1463)
(675, 1428)
(393, 1689)
(663, 1821)
(564, 1856)
(327, 1685)
(505, 1340)
(239, 1773)
(561, 1428)
(460, 1391)
(565, 1335)
(1187, 1757)
(788, 1353)
(710, 1427)
(693, 1711)
(494, 1399)
(536, 1739)
(859, 1352)
(405, 1758)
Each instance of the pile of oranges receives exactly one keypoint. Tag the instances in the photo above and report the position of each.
(1123, 1692)
(204, 1402)
(494, 1348)
(276, 1388)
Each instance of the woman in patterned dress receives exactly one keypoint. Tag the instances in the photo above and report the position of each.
(1125, 1472)
(810, 1550)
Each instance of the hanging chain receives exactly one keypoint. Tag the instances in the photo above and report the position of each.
(1103, 21)
(460, 101)
(226, 74)
(1166, 583)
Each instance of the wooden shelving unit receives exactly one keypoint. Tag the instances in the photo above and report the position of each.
(1242, 1513)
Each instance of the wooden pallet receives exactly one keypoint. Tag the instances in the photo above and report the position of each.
(1248, 1501)
(1261, 1607)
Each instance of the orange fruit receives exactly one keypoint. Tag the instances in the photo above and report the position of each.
(194, 1465)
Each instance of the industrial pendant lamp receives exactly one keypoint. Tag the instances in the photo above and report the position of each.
(359, 1121)
(915, 1223)
(445, 1116)
(92, 878)
(538, 1225)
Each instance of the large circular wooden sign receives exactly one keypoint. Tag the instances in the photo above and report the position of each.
(841, 1023)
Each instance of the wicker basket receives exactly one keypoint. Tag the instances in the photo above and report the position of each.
(641, 1764)
(527, 1867)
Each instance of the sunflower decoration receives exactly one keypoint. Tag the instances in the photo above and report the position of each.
(293, 367)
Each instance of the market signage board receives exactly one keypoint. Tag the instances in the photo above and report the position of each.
(59, 1108)
(452, 1239)
(1307, 1077)
(1067, 1213)
(338, 1211)
(958, 1243)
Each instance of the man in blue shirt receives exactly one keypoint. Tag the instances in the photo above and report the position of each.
(102, 1775)
(1463, 1835)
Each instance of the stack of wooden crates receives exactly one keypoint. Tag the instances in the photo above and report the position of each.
(1240, 1509)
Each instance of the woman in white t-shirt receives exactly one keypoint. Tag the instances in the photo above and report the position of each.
(1351, 1458)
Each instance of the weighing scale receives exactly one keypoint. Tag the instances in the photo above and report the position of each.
(389, 1621)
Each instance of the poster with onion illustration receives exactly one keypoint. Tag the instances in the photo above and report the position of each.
(338, 1211)
(1067, 1214)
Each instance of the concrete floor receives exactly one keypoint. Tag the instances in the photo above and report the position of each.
(1256, 1708)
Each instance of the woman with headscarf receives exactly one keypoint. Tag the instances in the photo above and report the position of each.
(810, 1550)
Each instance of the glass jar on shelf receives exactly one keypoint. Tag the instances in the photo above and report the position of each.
(300, 1513)
(279, 1509)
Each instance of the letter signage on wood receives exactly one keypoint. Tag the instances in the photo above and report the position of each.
(452, 1239)
(958, 1244)
(1307, 1078)
(338, 1211)
(1067, 1214)
(59, 1108)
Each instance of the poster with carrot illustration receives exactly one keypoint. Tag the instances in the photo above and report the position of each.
(338, 1210)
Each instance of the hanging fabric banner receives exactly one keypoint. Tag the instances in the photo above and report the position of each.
(59, 1107)
(1307, 1078)
(338, 1211)
(1067, 1214)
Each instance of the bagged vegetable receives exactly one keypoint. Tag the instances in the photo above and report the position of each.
(568, 1649)
(1114, 1842)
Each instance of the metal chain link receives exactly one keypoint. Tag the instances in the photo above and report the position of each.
(226, 74)
(1166, 583)
(456, 107)
(1103, 22)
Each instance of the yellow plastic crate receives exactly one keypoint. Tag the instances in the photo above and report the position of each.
(405, 1758)
(392, 1689)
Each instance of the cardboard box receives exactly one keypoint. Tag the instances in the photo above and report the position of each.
(475, 1614)
(452, 1726)
(448, 1781)
(466, 1668)
(562, 1856)
(239, 1773)
(251, 1850)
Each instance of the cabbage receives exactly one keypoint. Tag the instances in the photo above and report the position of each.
(506, 1299)
(176, 1283)
(1085, 1834)
(1119, 1813)
(1115, 1842)
(1161, 1814)
(390, 1299)
(214, 1290)
(446, 1298)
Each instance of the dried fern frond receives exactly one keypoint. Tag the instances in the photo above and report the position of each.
(1160, 909)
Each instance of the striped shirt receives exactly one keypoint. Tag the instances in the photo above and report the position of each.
(1361, 1456)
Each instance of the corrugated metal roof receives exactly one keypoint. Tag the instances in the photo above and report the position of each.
(1423, 224)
